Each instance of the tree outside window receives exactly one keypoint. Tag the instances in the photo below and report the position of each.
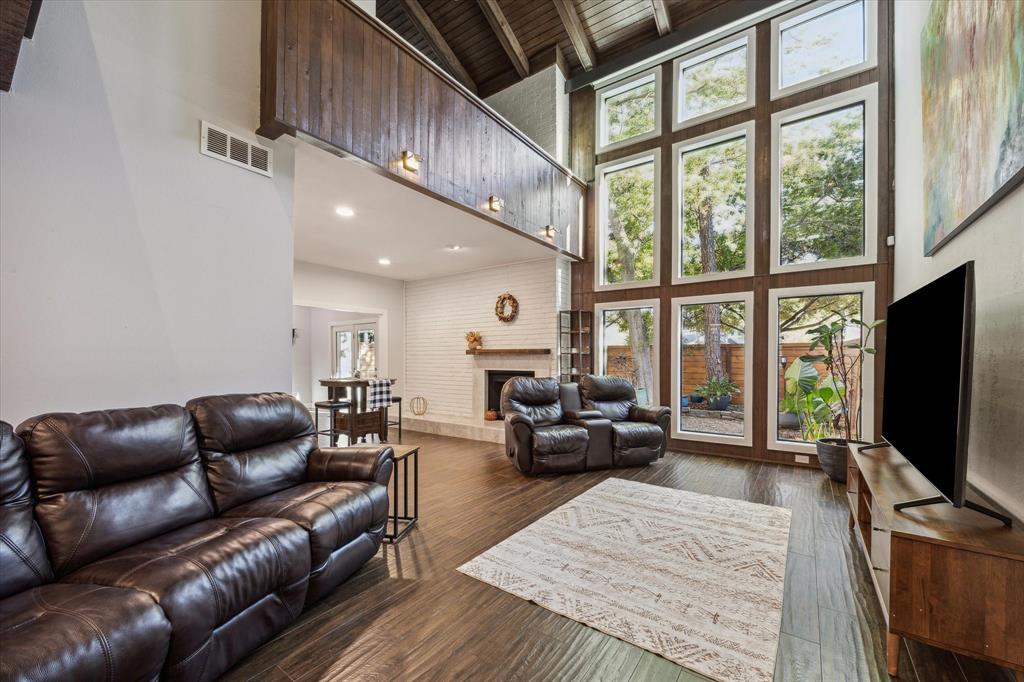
(629, 224)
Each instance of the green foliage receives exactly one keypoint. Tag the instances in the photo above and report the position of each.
(630, 230)
(823, 187)
(809, 401)
(630, 113)
(717, 387)
(715, 199)
(715, 84)
(692, 317)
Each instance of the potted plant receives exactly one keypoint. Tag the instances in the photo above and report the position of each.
(718, 392)
(830, 401)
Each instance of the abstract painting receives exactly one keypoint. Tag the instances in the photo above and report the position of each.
(972, 89)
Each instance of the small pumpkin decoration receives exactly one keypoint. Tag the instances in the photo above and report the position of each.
(491, 415)
(474, 340)
(506, 307)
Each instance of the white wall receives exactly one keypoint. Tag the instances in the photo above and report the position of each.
(539, 107)
(319, 286)
(133, 270)
(996, 244)
(440, 311)
(302, 370)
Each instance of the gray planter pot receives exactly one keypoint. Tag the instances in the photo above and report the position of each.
(832, 456)
(789, 420)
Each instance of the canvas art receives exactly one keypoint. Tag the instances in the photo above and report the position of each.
(972, 81)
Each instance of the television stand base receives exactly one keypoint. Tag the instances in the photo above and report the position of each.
(938, 499)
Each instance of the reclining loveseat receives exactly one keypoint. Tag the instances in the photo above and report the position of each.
(553, 428)
(171, 541)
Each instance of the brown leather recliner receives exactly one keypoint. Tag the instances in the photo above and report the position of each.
(562, 428)
(171, 560)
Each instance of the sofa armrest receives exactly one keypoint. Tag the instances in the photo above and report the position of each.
(358, 463)
(518, 418)
(649, 413)
(576, 415)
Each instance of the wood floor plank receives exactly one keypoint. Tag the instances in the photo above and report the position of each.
(797, 660)
(408, 614)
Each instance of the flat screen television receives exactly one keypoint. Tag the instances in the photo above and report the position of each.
(926, 403)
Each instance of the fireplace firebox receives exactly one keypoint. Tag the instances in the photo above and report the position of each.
(495, 380)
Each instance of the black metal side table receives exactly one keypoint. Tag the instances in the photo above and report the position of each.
(403, 453)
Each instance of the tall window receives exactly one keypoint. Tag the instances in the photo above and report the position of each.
(628, 193)
(805, 397)
(715, 81)
(630, 111)
(712, 219)
(712, 371)
(628, 345)
(823, 182)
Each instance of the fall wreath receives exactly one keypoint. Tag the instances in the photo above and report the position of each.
(507, 307)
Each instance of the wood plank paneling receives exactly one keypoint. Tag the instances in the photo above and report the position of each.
(333, 74)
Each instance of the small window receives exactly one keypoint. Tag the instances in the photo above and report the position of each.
(629, 112)
(713, 205)
(822, 42)
(715, 81)
(628, 199)
(712, 366)
(823, 183)
(628, 345)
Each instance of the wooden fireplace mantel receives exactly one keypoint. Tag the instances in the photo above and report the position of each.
(509, 351)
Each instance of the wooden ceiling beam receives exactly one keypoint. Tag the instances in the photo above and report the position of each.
(419, 17)
(661, 17)
(506, 36)
(577, 34)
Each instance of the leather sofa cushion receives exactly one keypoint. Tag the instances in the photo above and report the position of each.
(333, 514)
(559, 439)
(209, 576)
(535, 398)
(252, 444)
(23, 561)
(61, 632)
(110, 479)
(614, 397)
(636, 435)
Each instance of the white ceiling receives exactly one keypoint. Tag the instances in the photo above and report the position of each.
(391, 221)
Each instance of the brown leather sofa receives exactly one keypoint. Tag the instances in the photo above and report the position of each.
(553, 428)
(169, 541)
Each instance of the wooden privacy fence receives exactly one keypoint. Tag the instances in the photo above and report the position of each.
(619, 362)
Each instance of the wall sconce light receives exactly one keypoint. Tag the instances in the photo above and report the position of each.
(411, 161)
(495, 203)
(550, 231)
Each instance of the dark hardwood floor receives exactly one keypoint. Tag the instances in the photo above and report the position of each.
(409, 615)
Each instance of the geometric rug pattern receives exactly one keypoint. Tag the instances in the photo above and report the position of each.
(694, 578)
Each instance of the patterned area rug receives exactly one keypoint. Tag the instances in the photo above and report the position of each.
(694, 578)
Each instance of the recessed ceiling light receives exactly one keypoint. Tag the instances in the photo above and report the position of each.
(454, 247)
(384, 261)
(344, 211)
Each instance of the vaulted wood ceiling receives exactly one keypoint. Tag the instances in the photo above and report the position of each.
(484, 43)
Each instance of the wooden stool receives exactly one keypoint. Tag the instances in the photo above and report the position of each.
(333, 408)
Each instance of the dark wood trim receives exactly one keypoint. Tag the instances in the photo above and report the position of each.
(423, 23)
(506, 36)
(509, 351)
(710, 21)
(577, 34)
(33, 18)
(17, 22)
(661, 17)
(583, 160)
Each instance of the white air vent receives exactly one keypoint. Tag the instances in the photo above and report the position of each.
(220, 144)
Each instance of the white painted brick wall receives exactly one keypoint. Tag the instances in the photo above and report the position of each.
(539, 107)
(438, 312)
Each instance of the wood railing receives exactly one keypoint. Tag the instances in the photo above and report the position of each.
(334, 75)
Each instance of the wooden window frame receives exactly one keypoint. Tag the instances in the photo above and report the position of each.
(747, 298)
(869, 97)
(818, 9)
(598, 335)
(601, 188)
(867, 415)
(617, 88)
(700, 142)
(704, 54)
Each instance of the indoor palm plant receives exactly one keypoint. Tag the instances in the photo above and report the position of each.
(831, 400)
